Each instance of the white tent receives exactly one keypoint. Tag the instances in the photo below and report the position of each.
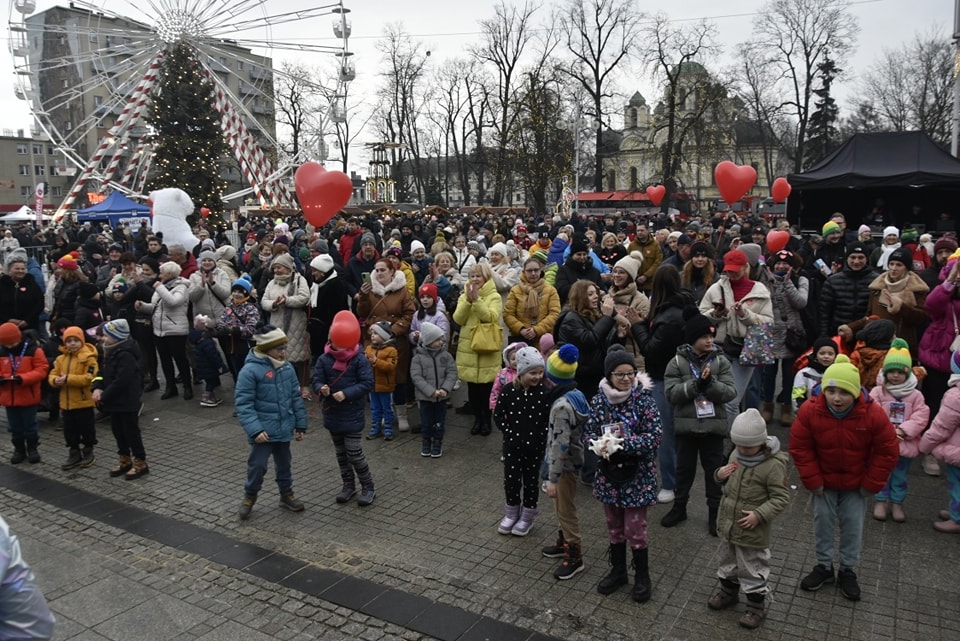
(23, 215)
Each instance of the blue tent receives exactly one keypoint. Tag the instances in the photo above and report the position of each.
(116, 208)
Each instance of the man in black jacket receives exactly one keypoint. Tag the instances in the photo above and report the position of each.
(578, 266)
(845, 295)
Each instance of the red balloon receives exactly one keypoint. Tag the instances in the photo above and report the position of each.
(777, 239)
(345, 330)
(322, 193)
(780, 189)
(734, 180)
(656, 193)
(204, 211)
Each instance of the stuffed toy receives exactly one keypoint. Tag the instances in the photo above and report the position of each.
(171, 206)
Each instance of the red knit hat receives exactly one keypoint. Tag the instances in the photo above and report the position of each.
(428, 289)
(68, 262)
(10, 334)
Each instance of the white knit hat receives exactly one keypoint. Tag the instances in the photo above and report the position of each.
(749, 429)
(631, 264)
(322, 263)
(528, 358)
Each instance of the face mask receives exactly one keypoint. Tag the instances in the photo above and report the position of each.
(779, 274)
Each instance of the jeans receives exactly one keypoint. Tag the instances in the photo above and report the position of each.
(847, 508)
(433, 419)
(896, 488)
(742, 376)
(22, 424)
(668, 444)
(257, 466)
(768, 380)
(381, 413)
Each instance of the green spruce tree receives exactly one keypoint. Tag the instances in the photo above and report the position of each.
(189, 143)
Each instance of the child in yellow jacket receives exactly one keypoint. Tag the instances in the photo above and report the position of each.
(73, 373)
(382, 354)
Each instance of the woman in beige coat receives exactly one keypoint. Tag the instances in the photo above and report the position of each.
(479, 303)
(285, 299)
(532, 307)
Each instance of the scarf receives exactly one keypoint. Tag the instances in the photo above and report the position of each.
(773, 443)
(895, 287)
(886, 250)
(531, 298)
(282, 280)
(264, 259)
(315, 288)
(615, 396)
(904, 388)
(276, 363)
(740, 288)
(341, 357)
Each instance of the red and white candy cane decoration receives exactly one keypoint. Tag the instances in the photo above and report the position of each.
(132, 166)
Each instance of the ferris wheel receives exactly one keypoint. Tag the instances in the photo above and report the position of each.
(88, 71)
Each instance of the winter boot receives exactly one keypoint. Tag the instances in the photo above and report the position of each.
(727, 595)
(766, 411)
(73, 459)
(436, 451)
(931, 467)
(618, 570)
(556, 550)
(33, 456)
(402, 424)
(712, 521)
(139, 469)
(291, 502)
(366, 497)
(572, 563)
(754, 615)
(676, 515)
(477, 426)
(641, 580)
(169, 392)
(124, 463)
(525, 522)
(346, 493)
(19, 451)
(87, 457)
(425, 445)
(787, 415)
(510, 515)
(246, 506)
(486, 424)
(187, 391)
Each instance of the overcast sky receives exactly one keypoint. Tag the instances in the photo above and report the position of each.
(448, 27)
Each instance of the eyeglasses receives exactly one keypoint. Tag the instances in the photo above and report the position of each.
(624, 375)
(534, 270)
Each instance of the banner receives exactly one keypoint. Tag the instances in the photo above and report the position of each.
(38, 203)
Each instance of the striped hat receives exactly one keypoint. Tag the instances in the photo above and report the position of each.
(898, 357)
(268, 338)
(562, 364)
(118, 330)
(830, 227)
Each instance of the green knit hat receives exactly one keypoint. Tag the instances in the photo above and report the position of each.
(830, 227)
(842, 375)
(898, 357)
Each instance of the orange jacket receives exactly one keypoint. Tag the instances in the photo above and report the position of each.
(80, 368)
(384, 364)
(27, 362)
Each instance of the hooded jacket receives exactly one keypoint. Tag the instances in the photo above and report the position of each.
(943, 438)
(28, 363)
(120, 377)
(430, 370)
(682, 389)
(268, 399)
(80, 368)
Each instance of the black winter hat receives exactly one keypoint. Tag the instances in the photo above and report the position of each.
(902, 255)
(578, 244)
(696, 325)
(616, 356)
(878, 334)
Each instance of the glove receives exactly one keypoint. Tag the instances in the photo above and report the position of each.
(16, 379)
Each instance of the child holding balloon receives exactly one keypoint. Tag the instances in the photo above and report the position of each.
(343, 379)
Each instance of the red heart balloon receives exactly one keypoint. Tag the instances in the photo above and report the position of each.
(777, 239)
(780, 189)
(322, 193)
(345, 330)
(204, 211)
(656, 193)
(734, 180)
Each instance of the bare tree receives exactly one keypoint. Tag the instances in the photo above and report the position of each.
(600, 34)
(295, 100)
(505, 37)
(911, 88)
(797, 35)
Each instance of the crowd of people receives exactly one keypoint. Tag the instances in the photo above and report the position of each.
(615, 351)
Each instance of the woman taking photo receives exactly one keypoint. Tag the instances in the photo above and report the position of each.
(171, 324)
(480, 303)
(385, 297)
(532, 307)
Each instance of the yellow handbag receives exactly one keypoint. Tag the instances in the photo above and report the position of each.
(486, 337)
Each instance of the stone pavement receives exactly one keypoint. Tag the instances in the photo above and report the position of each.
(165, 557)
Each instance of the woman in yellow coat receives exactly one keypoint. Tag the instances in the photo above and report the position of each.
(533, 306)
(73, 373)
(479, 303)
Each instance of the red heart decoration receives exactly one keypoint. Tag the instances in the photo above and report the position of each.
(656, 193)
(734, 180)
(204, 211)
(322, 193)
(777, 239)
(780, 189)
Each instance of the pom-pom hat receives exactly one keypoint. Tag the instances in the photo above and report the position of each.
(898, 357)
(749, 429)
(562, 364)
(383, 329)
(843, 375)
(68, 262)
(631, 264)
(243, 284)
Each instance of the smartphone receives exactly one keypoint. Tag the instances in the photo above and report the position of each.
(365, 277)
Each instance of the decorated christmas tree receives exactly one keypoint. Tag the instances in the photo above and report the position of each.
(189, 143)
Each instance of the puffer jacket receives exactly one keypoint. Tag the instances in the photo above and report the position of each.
(857, 451)
(430, 370)
(591, 338)
(168, 308)
(943, 438)
(516, 316)
(682, 389)
(639, 424)
(383, 361)
(843, 299)
(916, 415)
(27, 361)
(761, 489)
(942, 306)
(568, 415)
(356, 381)
(267, 399)
(208, 363)
(120, 378)
(658, 338)
(477, 367)
(208, 298)
(757, 302)
(80, 368)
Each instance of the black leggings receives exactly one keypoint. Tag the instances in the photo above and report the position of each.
(479, 396)
(174, 349)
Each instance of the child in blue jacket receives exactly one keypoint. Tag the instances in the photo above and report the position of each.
(271, 412)
(343, 379)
